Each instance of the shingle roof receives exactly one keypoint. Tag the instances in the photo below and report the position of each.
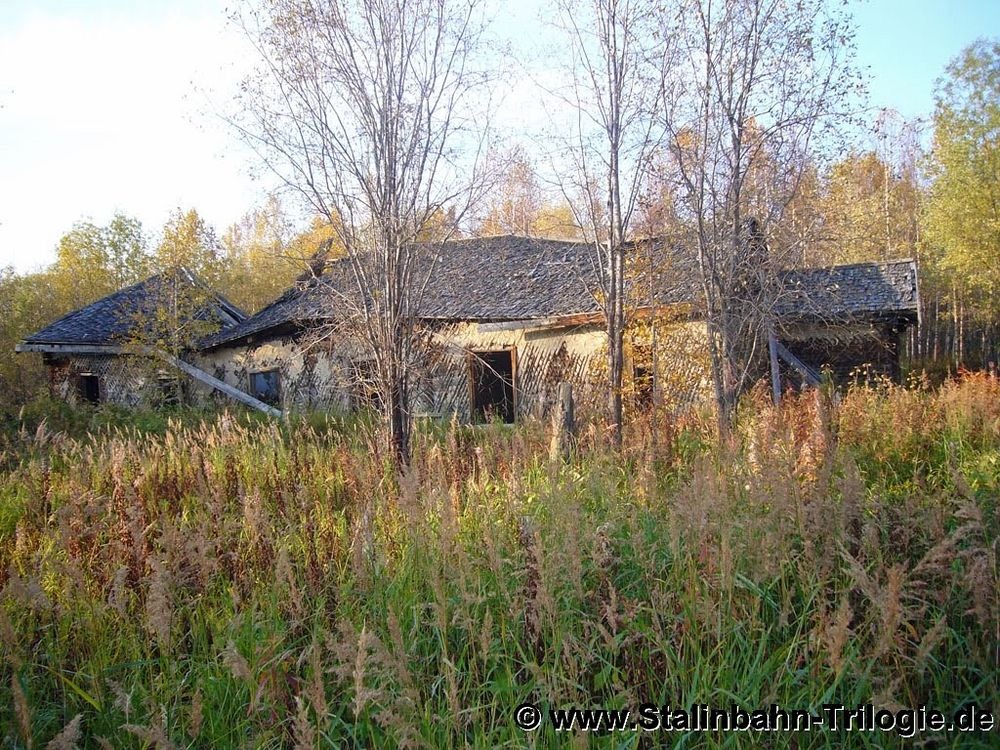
(502, 278)
(519, 278)
(112, 319)
(885, 289)
(491, 278)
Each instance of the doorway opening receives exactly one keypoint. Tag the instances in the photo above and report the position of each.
(88, 388)
(492, 381)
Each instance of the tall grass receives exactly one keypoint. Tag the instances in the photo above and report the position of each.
(232, 583)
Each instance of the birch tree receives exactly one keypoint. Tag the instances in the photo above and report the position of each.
(962, 213)
(367, 109)
(617, 63)
(760, 85)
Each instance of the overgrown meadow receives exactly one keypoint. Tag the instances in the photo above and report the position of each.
(219, 581)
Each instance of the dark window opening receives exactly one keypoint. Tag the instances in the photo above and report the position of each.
(642, 376)
(89, 388)
(364, 386)
(265, 386)
(492, 379)
(642, 382)
(169, 390)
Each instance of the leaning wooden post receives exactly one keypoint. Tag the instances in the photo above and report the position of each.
(772, 346)
(563, 424)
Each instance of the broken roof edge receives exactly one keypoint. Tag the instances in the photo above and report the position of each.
(238, 314)
(42, 347)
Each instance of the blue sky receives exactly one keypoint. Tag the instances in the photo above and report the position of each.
(108, 105)
(906, 45)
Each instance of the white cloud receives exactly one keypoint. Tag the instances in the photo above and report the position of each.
(106, 114)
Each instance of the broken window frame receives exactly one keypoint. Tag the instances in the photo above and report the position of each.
(84, 393)
(364, 390)
(270, 395)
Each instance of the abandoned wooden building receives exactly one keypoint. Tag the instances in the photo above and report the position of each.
(102, 352)
(510, 317)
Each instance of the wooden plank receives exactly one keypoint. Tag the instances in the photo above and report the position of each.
(219, 385)
(807, 372)
(514, 375)
(772, 349)
(563, 424)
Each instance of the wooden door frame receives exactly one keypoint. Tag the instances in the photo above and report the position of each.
(472, 355)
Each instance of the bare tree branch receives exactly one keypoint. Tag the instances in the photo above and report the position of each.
(368, 108)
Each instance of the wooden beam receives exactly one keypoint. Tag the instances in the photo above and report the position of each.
(534, 324)
(72, 349)
(772, 348)
(807, 372)
(220, 385)
(578, 319)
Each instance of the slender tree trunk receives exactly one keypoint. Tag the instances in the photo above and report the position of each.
(954, 326)
(722, 411)
(888, 234)
(961, 332)
(399, 425)
(616, 239)
(611, 326)
(772, 353)
(654, 355)
(937, 327)
(615, 405)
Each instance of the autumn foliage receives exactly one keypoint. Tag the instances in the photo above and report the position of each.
(220, 581)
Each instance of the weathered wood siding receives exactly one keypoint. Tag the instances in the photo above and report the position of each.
(542, 358)
(310, 377)
(125, 380)
(322, 377)
(683, 368)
